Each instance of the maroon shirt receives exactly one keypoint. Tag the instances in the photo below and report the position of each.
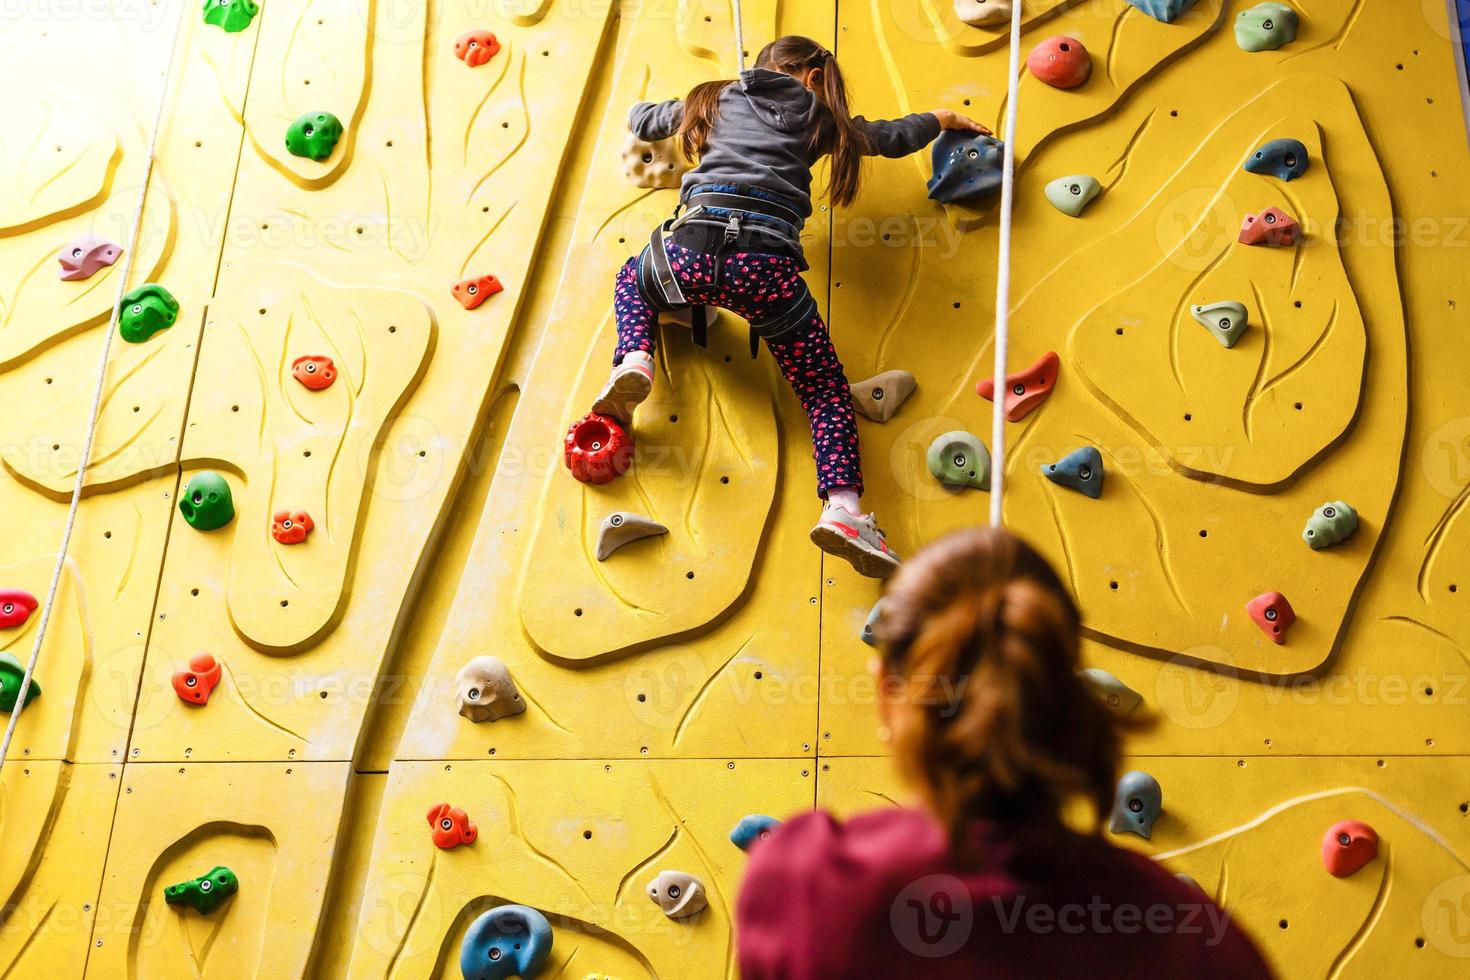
(882, 896)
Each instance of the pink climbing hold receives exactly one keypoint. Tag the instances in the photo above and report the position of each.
(1272, 226)
(475, 48)
(1347, 846)
(1061, 62)
(1273, 614)
(1025, 389)
(85, 255)
(194, 684)
(16, 606)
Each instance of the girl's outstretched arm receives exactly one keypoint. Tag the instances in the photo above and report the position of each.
(653, 121)
(911, 133)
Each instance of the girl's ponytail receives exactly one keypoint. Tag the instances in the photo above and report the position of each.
(992, 721)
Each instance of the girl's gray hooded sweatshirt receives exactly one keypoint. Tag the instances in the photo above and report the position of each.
(762, 133)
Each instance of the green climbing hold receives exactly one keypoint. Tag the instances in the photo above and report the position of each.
(12, 672)
(1266, 27)
(1329, 525)
(205, 893)
(958, 459)
(232, 16)
(1225, 321)
(206, 502)
(145, 311)
(313, 135)
(1070, 195)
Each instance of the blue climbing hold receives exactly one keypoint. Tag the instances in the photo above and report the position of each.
(966, 166)
(1284, 159)
(507, 941)
(1164, 10)
(752, 828)
(1081, 470)
(1137, 805)
(868, 635)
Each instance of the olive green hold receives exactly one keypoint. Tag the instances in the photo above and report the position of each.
(206, 502)
(314, 135)
(1070, 195)
(1329, 525)
(232, 16)
(958, 459)
(12, 672)
(205, 893)
(1266, 27)
(145, 311)
(1225, 321)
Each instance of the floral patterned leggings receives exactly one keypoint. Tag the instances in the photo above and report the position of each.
(752, 285)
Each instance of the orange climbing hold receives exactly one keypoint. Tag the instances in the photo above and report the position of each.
(598, 449)
(1347, 846)
(316, 371)
(16, 606)
(1025, 389)
(475, 48)
(194, 685)
(1272, 226)
(451, 826)
(1273, 614)
(472, 292)
(1061, 62)
(291, 527)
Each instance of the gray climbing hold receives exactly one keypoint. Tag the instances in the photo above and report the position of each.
(1225, 321)
(958, 459)
(868, 634)
(966, 166)
(1284, 159)
(1080, 470)
(1070, 195)
(1138, 803)
(1163, 10)
(1266, 27)
(1119, 697)
(982, 13)
(622, 528)
(879, 397)
(678, 893)
(486, 691)
(1330, 524)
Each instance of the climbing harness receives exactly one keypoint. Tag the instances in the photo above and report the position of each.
(76, 495)
(1003, 278)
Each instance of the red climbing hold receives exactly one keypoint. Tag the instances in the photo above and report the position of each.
(1025, 389)
(599, 450)
(316, 371)
(475, 48)
(291, 527)
(1061, 62)
(1272, 226)
(1273, 614)
(472, 292)
(16, 606)
(1347, 846)
(195, 684)
(451, 826)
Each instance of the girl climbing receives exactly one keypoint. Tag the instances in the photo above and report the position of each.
(734, 243)
(993, 730)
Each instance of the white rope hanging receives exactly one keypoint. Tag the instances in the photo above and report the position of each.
(1003, 280)
(76, 494)
(739, 34)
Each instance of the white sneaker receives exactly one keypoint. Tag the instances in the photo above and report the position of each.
(627, 387)
(856, 538)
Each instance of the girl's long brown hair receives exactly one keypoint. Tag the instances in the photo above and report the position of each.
(836, 133)
(994, 722)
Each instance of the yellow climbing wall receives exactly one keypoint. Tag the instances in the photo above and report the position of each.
(715, 671)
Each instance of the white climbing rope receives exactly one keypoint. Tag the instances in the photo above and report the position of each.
(1003, 280)
(76, 494)
(739, 34)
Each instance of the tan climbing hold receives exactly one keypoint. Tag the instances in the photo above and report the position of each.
(678, 893)
(621, 528)
(879, 397)
(486, 691)
(982, 13)
(653, 165)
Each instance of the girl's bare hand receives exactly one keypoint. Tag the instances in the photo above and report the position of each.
(955, 120)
